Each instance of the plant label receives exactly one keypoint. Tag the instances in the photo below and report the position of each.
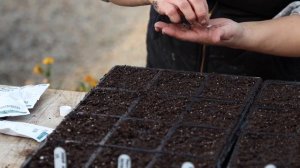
(187, 165)
(124, 161)
(60, 158)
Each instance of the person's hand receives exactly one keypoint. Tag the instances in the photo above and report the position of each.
(191, 10)
(220, 31)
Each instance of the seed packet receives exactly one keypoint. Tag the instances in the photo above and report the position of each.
(38, 133)
(12, 105)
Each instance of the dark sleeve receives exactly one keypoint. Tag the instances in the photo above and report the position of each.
(211, 3)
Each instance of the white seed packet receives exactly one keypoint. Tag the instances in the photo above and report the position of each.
(38, 133)
(12, 105)
(30, 93)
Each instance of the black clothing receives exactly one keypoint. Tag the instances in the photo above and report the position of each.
(169, 53)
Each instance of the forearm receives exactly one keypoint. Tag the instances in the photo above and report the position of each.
(131, 2)
(277, 37)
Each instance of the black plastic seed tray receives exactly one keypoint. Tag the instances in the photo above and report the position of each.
(229, 87)
(163, 113)
(273, 120)
(279, 94)
(258, 150)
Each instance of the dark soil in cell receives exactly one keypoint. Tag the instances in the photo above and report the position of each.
(158, 107)
(84, 128)
(128, 78)
(182, 83)
(107, 102)
(139, 134)
(213, 113)
(197, 141)
(108, 158)
(228, 87)
(283, 121)
(176, 161)
(77, 155)
(280, 95)
(258, 150)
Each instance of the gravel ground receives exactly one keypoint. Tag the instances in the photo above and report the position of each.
(85, 37)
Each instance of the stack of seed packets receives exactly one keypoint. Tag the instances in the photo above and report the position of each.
(16, 101)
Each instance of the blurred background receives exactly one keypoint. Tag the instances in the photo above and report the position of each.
(80, 40)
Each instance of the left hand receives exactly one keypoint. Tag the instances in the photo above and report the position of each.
(222, 32)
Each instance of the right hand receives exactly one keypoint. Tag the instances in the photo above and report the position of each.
(192, 10)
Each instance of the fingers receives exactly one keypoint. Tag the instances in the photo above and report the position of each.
(185, 8)
(194, 34)
(192, 10)
(201, 10)
(172, 12)
(176, 30)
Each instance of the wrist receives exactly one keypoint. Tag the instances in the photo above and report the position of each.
(242, 38)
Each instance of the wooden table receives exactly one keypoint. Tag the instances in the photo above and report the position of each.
(46, 113)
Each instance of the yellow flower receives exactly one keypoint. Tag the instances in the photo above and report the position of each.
(48, 60)
(90, 80)
(37, 69)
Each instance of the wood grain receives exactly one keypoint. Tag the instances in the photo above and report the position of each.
(14, 150)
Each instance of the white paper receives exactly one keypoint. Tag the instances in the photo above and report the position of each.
(30, 93)
(12, 105)
(38, 133)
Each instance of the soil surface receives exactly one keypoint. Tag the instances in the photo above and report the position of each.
(213, 113)
(178, 83)
(45, 156)
(108, 158)
(280, 121)
(85, 37)
(197, 141)
(259, 150)
(281, 95)
(139, 134)
(226, 87)
(84, 128)
(159, 107)
(128, 78)
(109, 102)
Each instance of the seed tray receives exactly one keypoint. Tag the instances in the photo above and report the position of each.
(159, 107)
(126, 77)
(84, 128)
(258, 150)
(228, 87)
(140, 111)
(214, 113)
(178, 83)
(77, 154)
(110, 102)
(279, 94)
(275, 121)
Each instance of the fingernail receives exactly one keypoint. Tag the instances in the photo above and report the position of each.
(203, 22)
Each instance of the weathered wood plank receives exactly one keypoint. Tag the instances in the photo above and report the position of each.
(46, 113)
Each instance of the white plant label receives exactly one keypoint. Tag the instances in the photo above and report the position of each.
(270, 166)
(187, 165)
(60, 158)
(124, 161)
(38, 133)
